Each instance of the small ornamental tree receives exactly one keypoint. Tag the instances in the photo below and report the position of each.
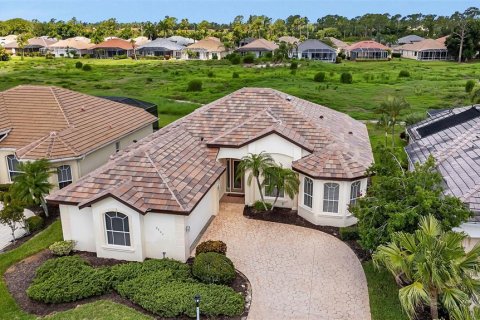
(398, 198)
(11, 215)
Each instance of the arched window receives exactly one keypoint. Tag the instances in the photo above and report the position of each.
(355, 192)
(118, 230)
(64, 174)
(331, 192)
(12, 164)
(308, 192)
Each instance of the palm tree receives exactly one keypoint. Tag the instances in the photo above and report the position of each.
(281, 179)
(22, 41)
(255, 164)
(31, 186)
(384, 123)
(476, 96)
(434, 265)
(132, 42)
(392, 107)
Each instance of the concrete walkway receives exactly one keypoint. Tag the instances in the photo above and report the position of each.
(6, 232)
(295, 272)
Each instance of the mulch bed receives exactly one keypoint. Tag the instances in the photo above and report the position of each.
(19, 277)
(289, 216)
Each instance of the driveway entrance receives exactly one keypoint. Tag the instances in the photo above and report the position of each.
(295, 272)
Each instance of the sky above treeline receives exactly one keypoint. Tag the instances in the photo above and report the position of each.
(221, 11)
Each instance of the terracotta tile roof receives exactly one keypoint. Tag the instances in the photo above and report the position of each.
(210, 44)
(259, 45)
(369, 44)
(172, 169)
(114, 43)
(338, 43)
(78, 43)
(56, 123)
(426, 44)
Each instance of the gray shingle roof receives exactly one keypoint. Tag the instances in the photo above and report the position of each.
(409, 39)
(162, 43)
(313, 44)
(456, 150)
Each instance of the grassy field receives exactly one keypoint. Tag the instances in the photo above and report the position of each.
(430, 85)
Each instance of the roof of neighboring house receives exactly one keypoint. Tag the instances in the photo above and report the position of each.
(181, 40)
(424, 45)
(172, 169)
(210, 44)
(7, 39)
(442, 40)
(338, 43)
(133, 102)
(289, 39)
(313, 44)
(114, 43)
(11, 45)
(409, 39)
(139, 41)
(40, 42)
(56, 123)
(75, 43)
(452, 137)
(259, 45)
(368, 44)
(164, 44)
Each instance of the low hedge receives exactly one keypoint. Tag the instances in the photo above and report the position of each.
(158, 294)
(211, 246)
(34, 223)
(349, 233)
(62, 248)
(212, 267)
(67, 279)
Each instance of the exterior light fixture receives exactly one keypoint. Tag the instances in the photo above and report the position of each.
(197, 302)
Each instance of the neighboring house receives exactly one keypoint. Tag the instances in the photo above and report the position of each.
(205, 49)
(288, 39)
(313, 49)
(410, 39)
(258, 48)
(339, 44)
(425, 50)
(145, 105)
(12, 48)
(7, 39)
(161, 47)
(245, 41)
(182, 41)
(155, 198)
(452, 137)
(140, 41)
(39, 44)
(113, 47)
(368, 50)
(76, 132)
(77, 45)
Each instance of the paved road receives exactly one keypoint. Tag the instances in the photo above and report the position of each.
(6, 233)
(296, 273)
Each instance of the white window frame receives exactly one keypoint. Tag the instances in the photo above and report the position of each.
(112, 230)
(331, 197)
(11, 172)
(306, 193)
(62, 176)
(266, 183)
(355, 191)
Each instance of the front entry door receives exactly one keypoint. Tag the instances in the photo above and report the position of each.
(234, 182)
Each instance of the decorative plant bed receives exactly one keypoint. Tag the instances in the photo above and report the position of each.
(20, 276)
(289, 216)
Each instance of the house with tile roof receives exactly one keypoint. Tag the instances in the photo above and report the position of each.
(452, 138)
(113, 47)
(205, 49)
(76, 132)
(155, 198)
(412, 38)
(258, 47)
(424, 50)
(367, 50)
(72, 46)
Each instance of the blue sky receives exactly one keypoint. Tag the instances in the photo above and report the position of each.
(217, 10)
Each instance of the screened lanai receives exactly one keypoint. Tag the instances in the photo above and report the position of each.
(369, 54)
(433, 54)
(316, 50)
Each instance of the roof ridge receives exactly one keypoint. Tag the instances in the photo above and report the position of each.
(166, 180)
(456, 144)
(470, 192)
(59, 105)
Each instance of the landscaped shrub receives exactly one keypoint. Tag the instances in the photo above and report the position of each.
(176, 270)
(469, 86)
(49, 56)
(349, 233)
(87, 67)
(62, 248)
(210, 74)
(346, 77)
(34, 223)
(249, 58)
(235, 75)
(87, 56)
(413, 118)
(211, 246)
(404, 74)
(294, 65)
(319, 77)
(396, 55)
(78, 65)
(194, 85)
(259, 206)
(67, 279)
(234, 58)
(212, 267)
(170, 299)
(338, 59)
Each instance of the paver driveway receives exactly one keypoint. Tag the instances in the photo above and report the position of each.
(295, 272)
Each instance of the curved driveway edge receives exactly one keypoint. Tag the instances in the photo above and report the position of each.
(295, 272)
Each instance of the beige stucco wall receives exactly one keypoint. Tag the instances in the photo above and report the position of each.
(4, 177)
(409, 54)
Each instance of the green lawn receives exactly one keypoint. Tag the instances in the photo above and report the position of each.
(100, 310)
(383, 293)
